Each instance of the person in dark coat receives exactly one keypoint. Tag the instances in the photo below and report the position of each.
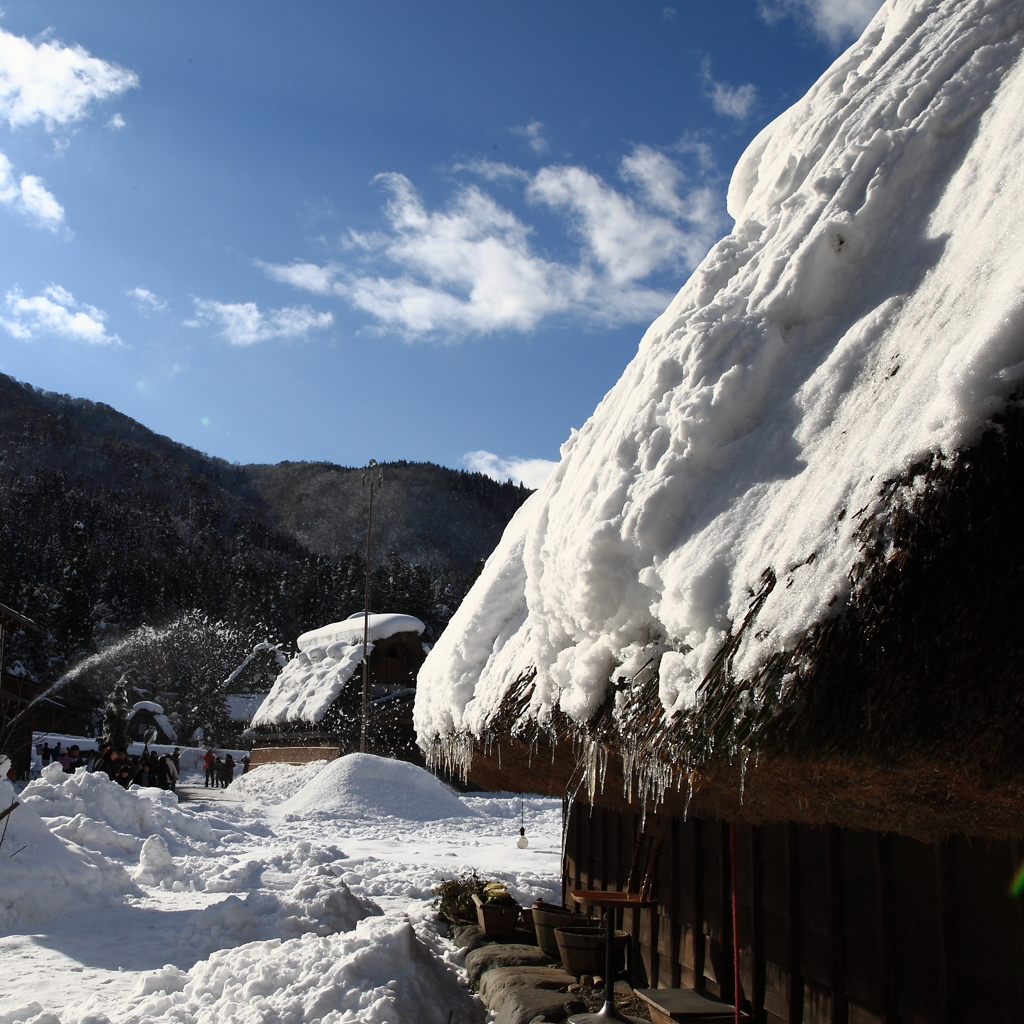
(229, 770)
(46, 754)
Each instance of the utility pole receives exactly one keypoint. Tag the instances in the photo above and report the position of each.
(376, 480)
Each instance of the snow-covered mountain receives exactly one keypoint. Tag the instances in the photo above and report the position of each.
(865, 316)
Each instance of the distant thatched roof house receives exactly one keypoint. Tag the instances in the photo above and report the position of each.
(148, 723)
(773, 590)
(314, 709)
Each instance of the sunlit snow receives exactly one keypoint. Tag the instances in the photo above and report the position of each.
(866, 312)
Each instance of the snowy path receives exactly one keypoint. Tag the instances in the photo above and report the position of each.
(264, 873)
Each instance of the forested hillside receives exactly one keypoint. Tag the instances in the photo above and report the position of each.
(107, 528)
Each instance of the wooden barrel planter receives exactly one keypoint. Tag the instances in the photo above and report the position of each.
(495, 919)
(546, 918)
(582, 950)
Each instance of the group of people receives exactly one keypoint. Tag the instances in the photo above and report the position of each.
(146, 769)
(220, 772)
(149, 768)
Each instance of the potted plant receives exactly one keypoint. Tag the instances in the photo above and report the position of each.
(497, 912)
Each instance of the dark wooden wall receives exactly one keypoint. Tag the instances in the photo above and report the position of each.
(836, 926)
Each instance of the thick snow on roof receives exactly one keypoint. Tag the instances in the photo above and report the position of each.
(327, 659)
(867, 311)
(309, 683)
(351, 629)
(242, 706)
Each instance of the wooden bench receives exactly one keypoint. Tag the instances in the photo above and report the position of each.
(670, 1005)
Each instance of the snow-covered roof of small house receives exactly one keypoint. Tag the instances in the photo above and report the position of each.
(159, 718)
(350, 630)
(864, 316)
(327, 659)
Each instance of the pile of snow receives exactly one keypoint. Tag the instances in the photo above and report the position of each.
(350, 630)
(327, 659)
(866, 313)
(272, 783)
(366, 786)
(90, 810)
(320, 903)
(42, 878)
(378, 973)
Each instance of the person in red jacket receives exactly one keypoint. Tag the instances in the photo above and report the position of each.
(208, 760)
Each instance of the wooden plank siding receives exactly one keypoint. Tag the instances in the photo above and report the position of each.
(836, 926)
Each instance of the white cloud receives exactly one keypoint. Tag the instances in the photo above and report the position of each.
(837, 21)
(307, 276)
(472, 267)
(55, 311)
(534, 139)
(29, 196)
(145, 301)
(52, 83)
(734, 101)
(668, 13)
(116, 123)
(531, 472)
(242, 323)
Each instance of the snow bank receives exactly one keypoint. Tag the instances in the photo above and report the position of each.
(378, 973)
(42, 877)
(272, 783)
(866, 312)
(366, 786)
(321, 903)
(350, 630)
(98, 811)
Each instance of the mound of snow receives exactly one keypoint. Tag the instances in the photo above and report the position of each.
(379, 973)
(865, 314)
(321, 903)
(93, 812)
(42, 877)
(272, 783)
(366, 786)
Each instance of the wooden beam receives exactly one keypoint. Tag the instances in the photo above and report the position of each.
(947, 934)
(727, 982)
(886, 951)
(757, 927)
(834, 867)
(796, 980)
(699, 940)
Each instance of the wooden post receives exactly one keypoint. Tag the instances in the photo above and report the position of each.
(699, 941)
(947, 946)
(757, 927)
(883, 847)
(796, 980)
(840, 1006)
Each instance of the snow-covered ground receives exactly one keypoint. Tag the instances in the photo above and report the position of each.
(299, 895)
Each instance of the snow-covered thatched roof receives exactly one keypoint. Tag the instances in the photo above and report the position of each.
(328, 657)
(802, 406)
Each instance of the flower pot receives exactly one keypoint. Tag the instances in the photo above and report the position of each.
(582, 950)
(495, 919)
(546, 919)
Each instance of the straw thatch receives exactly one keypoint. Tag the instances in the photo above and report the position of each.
(904, 712)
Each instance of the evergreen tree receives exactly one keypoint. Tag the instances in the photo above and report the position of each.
(115, 718)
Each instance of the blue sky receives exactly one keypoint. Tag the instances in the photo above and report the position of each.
(393, 230)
